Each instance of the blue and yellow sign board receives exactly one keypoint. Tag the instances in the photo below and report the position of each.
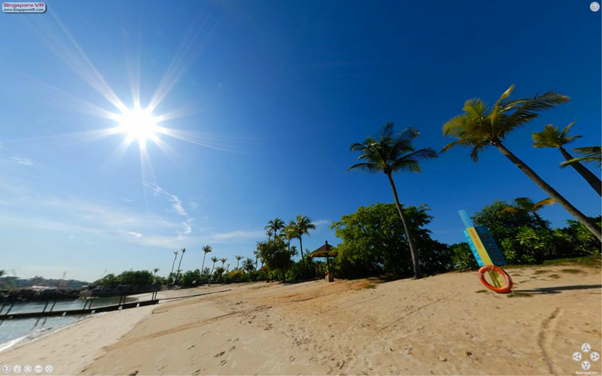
(481, 243)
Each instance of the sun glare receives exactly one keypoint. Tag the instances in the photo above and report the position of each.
(138, 125)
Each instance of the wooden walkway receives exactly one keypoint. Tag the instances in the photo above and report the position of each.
(76, 311)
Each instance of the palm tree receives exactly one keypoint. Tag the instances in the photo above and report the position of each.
(480, 127)
(223, 261)
(301, 227)
(275, 225)
(228, 268)
(290, 232)
(552, 137)
(180, 263)
(389, 153)
(591, 154)
(174, 262)
(526, 205)
(214, 259)
(256, 253)
(206, 249)
(155, 270)
(238, 258)
(270, 233)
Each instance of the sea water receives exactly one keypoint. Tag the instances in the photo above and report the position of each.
(16, 331)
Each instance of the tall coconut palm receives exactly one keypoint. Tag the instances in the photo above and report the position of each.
(290, 233)
(589, 154)
(206, 249)
(526, 205)
(228, 268)
(155, 270)
(481, 126)
(389, 153)
(552, 137)
(275, 225)
(174, 262)
(180, 263)
(238, 258)
(223, 261)
(301, 227)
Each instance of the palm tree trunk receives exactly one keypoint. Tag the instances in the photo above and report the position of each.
(301, 245)
(203, 267)
(179, 265)
(407, 230)
(173, 264)
(586, 174)
(585, 221)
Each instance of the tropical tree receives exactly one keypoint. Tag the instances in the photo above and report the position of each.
(214, 259)
(552, 137)
(301, 227)
(256, 253)
(174, 262)
(275, 225)
(223, 261)
(389, 153)
(481, 126)
(180, 263)
(525, 204)
(270, 233)
(248, 266)
(590, 154)
(155, 270)
(206, 249)
(238, 258)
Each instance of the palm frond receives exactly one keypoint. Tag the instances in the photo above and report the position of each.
(365, 166)
(590, 154)
(548, 201)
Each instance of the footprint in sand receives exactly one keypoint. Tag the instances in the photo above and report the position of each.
(219, 354)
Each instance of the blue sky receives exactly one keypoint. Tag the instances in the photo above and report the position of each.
(273, 94)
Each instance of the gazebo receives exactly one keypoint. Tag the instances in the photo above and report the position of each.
(327, 251)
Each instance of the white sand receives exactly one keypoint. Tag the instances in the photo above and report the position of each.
(446, 324)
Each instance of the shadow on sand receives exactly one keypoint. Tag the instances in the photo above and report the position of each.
(557, 289)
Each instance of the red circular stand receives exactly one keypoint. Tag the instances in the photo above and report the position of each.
(505, 289)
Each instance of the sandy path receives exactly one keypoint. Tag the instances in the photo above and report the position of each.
(446, 324)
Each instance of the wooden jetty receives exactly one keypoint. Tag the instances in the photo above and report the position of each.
(87, 309)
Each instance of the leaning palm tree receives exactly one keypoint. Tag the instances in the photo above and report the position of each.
(552, 137)
(275, 225)
(389, 153)
(223, 261)
(481, 126)
(174, 262)
(301, 227)
(180, 263)
(589, 154)
(206, 249)
(238, 258)
(526, 205)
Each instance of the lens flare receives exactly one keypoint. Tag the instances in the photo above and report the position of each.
(139, 125)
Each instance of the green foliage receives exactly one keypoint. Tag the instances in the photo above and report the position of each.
(248, 265)
(462, 257)
(191, 278)
(139, 277)
(374, 242)
(275, 255)
(502, 223)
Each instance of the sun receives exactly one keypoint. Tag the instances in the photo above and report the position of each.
(139, 125)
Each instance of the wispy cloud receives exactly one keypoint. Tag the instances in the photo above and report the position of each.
(176, 203)
(238, 235)
(22, 161)
(193, 205)
(134, 234)
(322, 222)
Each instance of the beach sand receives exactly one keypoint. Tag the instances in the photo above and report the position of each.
(447, 324)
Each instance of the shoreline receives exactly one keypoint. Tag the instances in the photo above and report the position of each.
(438, 324)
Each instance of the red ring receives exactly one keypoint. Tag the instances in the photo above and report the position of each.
(506, 288)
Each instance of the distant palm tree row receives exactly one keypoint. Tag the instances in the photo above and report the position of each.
(294, 230)
(480, 127)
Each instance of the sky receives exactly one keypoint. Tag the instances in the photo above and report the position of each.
(264, 99)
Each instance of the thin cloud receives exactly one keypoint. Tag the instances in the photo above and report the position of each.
(175, 200)
(22, 161)
(134, 234)
(322, 222)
